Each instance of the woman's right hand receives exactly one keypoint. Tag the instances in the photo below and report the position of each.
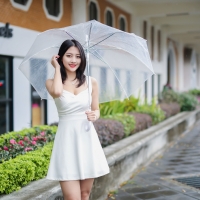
(54, 61)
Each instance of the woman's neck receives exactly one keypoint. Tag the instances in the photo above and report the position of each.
(71, 75)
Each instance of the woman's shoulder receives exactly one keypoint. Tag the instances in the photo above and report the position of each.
(93, 82)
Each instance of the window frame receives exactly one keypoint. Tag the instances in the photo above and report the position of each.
(20, 6)
(54, 18)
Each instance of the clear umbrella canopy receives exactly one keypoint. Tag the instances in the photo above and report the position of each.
(118, 60)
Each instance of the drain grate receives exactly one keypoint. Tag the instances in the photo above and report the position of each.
(190, 181)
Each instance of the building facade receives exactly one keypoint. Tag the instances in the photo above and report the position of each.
(172, 34)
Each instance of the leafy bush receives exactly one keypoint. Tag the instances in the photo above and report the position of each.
(19, 171)
(111, 108)
(169, 96)
(109, 131)
(15, 143)
(142, 121)
(115, 107)
(127, 121)
(131, 104)
(153, 110)
(188, 102)
(195, 92)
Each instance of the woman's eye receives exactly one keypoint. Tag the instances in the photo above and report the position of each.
(78, 57)
(68, 56)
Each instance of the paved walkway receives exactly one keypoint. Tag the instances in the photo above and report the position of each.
(155, 182)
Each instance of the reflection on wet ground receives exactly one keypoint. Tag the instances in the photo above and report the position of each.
(155, 182)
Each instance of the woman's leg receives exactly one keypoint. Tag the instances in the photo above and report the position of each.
(86, 186)
(71, 190)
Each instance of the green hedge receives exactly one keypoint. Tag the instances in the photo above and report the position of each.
(128, 122)
(23, 169)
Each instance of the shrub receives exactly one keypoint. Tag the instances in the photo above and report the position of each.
(170, 109)
(19, 171)
(111, 108)
(16, 143)
(153, 110)
(131, 104)
(109, 131)
(195, 92)
(169, 96)
(127, 121)
(188, 102)
(142, 121)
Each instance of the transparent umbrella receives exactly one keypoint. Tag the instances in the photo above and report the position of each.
(118, 60)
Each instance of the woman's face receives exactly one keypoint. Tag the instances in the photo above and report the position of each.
(71, 59)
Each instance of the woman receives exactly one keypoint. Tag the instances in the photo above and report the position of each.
(77, 157)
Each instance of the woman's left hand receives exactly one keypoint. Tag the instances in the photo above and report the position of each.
(91, 116)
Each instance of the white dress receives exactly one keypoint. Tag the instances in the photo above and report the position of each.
(77, 154)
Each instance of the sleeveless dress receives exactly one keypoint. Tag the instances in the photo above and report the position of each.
(77, 154)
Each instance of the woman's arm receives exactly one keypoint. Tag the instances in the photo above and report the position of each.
(55, 86)
(94, 114)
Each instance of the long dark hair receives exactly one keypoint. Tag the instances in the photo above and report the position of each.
(79, 72)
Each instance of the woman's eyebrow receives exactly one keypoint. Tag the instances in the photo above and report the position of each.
(72, 53)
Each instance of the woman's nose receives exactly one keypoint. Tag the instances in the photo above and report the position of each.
(73, 58)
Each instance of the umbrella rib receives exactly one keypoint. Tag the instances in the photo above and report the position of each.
(116, 48)
(70, 35)
(37, 53)
(111, 70)
(103, 39)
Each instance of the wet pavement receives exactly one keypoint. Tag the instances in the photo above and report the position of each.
(156, 181)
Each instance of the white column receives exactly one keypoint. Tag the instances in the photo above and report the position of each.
(21, 98)
(79, 11)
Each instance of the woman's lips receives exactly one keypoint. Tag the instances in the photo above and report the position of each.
(72, 66)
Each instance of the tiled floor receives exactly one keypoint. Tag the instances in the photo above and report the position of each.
(156, 181)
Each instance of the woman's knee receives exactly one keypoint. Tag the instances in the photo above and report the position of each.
(85, 194)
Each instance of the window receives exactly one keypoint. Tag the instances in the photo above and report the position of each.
(122, 24)
(103, 74)
(117, 85)
(159, 45)
(93, 11)
(152, 42)
(129, 82)
(6, 94)
(152, 86)
(145, 30)
(22, 2)
(53, 7)
(159, 84)
(38, 106)
(109, 18)
(145, 87)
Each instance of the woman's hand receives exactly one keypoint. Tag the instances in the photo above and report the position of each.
(91, 116)
(54, 61)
